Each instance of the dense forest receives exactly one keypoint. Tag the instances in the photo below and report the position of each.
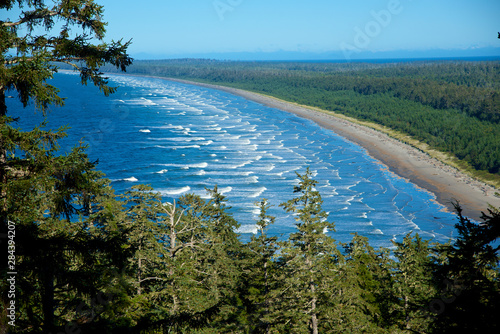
(453, 106)
(95, 262)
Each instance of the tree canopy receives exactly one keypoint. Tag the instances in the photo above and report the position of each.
(40, 36)
(68, 232)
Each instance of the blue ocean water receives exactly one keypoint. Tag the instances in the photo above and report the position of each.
(182, 139)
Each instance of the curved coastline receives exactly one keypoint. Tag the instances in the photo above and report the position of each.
(446, 183)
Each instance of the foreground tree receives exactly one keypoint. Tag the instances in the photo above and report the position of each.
(42, 35)
(413, 286)
(468, 277)
(68, 226)
(31, 45)
(309, 259)
(260, 269)
(68, 234)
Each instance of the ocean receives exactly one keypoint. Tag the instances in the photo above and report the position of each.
(182, 139)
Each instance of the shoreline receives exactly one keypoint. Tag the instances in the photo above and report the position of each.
(446, 183)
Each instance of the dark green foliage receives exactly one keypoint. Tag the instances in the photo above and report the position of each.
(412, 285)
(309, 258)
(68, 231)
(491, 226)
(468, 277)
(183, 273)
(260, 271)
(365, 286)
(26, 71)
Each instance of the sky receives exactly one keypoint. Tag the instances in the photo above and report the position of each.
(325, 28)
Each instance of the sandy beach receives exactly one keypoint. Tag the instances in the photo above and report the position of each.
(447, 183)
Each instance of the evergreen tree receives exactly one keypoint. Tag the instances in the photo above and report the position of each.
(361, 296)
(309, 258)
(259, 281)
(468, 277)
(143, 219)
(68, 231)
(413, 286)
(27, 70)
(491, 226)
(37, 51)
(68, 226)
(200, 252)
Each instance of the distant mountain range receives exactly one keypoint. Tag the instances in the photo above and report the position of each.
(489, 53)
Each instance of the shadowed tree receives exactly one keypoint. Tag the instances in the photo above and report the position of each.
(468, 276)
(65, 214)
(69, 231)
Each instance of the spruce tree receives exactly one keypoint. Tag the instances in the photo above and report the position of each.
(259, 279)
(200, 249)
(413, 284)
(39, 47)
(468, 278)
(309, 258)
(68, 226)
(68, 231)
(357, 306)
(30, 51)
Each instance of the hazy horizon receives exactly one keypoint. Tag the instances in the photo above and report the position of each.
(299, 30)
(479, 54)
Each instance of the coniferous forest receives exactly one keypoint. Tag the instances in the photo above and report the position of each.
(82, 259)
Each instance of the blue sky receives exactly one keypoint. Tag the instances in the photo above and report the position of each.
(185, 28)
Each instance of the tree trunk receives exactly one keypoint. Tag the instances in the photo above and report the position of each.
(173, 245)
(139, 273)
(266, 293)
(3, 160)
(407, 313)
(312, 288)
(314, 318)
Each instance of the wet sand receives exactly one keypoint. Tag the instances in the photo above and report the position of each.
(447, 183)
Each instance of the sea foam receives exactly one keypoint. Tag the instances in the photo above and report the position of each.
(175, 191)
